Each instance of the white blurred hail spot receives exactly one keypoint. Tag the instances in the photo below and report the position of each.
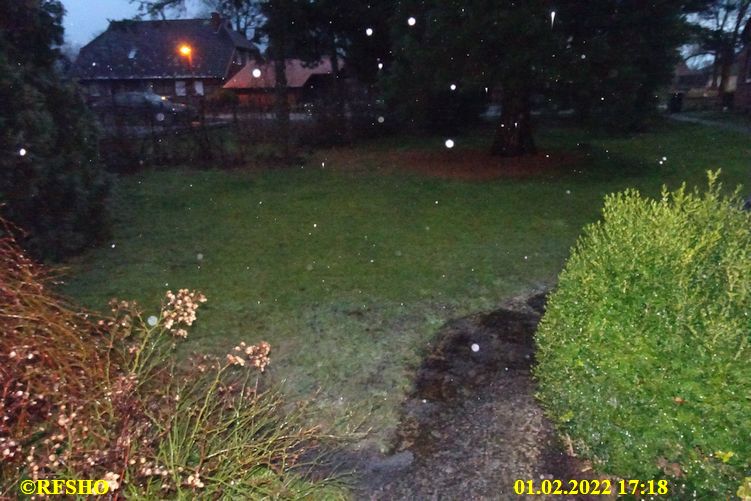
(113, 246)
(199, 256)
(315, 225)
(475, 347)
(449, 143)
(256, 73)
(411, 21)
(369, 32)
(664, 159)
(381, 120)
(453, 87)
(568, 192)
(22, 152)
(380, 66)
(584, 56)
(152, 320)
(552, 18)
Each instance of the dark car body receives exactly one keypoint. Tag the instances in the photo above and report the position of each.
(145, 106)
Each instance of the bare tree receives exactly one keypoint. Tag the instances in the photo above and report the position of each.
(719, 30)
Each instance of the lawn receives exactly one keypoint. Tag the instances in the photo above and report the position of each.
(734, 118)
(347, 264)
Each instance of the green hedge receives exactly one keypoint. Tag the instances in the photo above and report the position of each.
(643, 355)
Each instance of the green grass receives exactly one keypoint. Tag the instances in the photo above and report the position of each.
(348, 272)
(735, 118)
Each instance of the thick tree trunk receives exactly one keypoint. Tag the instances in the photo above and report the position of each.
(340, 94)
(281, 103)
(514, 132)
(726, 65)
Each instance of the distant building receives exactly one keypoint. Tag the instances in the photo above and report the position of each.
(182, 58)
(306, 82)
(687, 79)
(698, 87)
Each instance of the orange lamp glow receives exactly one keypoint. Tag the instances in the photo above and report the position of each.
(185, 50)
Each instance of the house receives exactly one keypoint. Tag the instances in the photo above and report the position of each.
(306, 82)
(697, 87)
(686, 79)
(182, 58)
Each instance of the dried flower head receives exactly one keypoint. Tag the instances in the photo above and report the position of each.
(194, 481)
(256, 356)
(112, 480)
(180, 310)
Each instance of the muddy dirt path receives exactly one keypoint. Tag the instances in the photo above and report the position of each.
(472, 426)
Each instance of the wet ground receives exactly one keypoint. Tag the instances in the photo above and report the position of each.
(472, 427)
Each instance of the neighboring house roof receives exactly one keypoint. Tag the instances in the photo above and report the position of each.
(150, 49)
(700, 80)
(298, 72)
(686, 78)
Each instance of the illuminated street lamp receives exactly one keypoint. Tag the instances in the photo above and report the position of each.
(186, 50)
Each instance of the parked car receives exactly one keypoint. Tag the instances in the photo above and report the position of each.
(146, 105)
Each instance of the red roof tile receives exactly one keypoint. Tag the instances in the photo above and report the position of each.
(298, 72)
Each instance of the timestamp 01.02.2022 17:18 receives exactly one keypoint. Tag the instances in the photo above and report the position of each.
(591, 487)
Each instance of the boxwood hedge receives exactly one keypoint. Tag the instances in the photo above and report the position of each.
(643, 354)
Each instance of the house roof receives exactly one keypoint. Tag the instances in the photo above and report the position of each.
(150, 49)
(298, 72)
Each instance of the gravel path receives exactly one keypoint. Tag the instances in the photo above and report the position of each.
(472, 426)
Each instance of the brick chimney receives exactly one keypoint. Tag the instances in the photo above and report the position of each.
(216, 20)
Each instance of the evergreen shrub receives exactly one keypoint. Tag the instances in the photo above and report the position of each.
(643, 354)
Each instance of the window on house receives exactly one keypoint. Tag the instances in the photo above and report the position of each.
(198, 87)
(180, 89)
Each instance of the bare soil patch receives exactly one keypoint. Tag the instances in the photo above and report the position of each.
(472, 427)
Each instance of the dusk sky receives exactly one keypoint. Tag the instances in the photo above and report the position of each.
(86, 18)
